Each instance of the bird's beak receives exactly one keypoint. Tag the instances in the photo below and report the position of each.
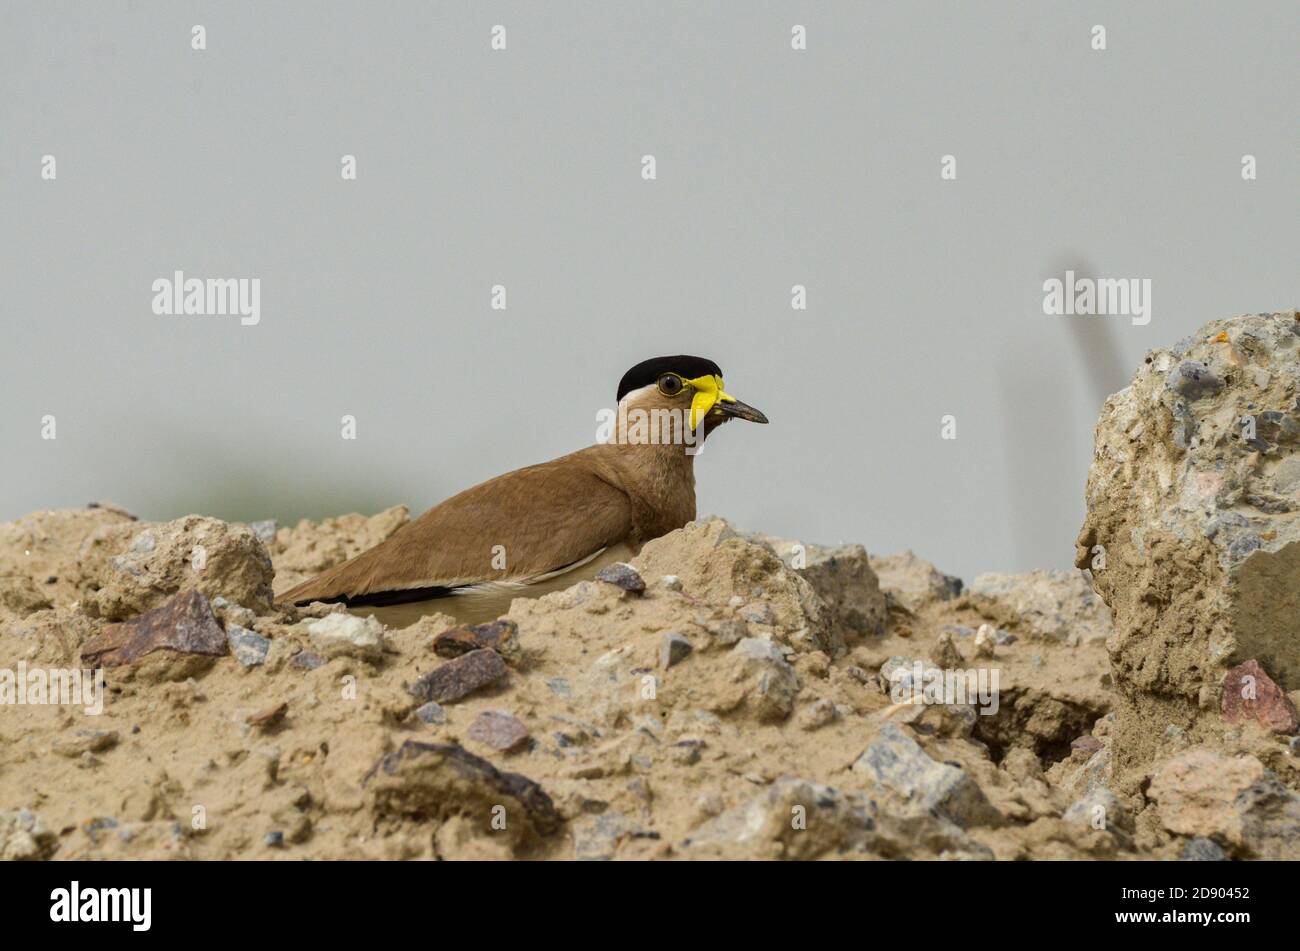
(710, 397)
(730, 406)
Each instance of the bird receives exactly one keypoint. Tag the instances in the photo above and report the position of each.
(546, 526)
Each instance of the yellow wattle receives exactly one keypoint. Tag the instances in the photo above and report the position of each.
(708, 391)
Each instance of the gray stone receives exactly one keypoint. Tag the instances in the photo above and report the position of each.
(727, 631)
(597, 838)
(307, 660)
(622, 576)
(1202, 850)
(1194, 380)
(673, 648)
(249, 648)
(797, 819)
(431, 713)
(842, 576)
(773, 683)
(1048, 605)
(897, 765)
(913, 582)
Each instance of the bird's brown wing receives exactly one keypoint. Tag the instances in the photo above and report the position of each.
(532, 521)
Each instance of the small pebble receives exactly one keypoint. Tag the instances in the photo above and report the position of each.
(622, 576)
(432, 713)
(268, 718)
(1202, 850)
(501, 635)
(249, 649)
(673, 649)
(498, 730)
(459, 678)
(307, 660)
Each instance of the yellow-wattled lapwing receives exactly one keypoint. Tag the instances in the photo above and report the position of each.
(530, 531)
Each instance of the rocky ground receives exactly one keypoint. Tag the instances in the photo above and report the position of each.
(723, 696)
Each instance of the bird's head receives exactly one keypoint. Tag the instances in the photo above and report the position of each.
(690, 388)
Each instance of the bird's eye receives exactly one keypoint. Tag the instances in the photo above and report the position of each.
(670, 384)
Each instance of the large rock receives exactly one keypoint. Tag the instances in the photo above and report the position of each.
(184, 627)
(134, 567)
(715, 564)
(799, 819)
(792, 819)
(40, 555)
(1192, 534)
(1250, 694)
(436, 780)
(897, 766)
(844, 579)
(23, 837)
(770, 684)
(1234, 801)
(913, 582)
(1044, 605)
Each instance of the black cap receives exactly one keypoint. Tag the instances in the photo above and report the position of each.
(648, 371)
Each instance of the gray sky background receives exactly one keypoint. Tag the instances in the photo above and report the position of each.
(522, 168)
